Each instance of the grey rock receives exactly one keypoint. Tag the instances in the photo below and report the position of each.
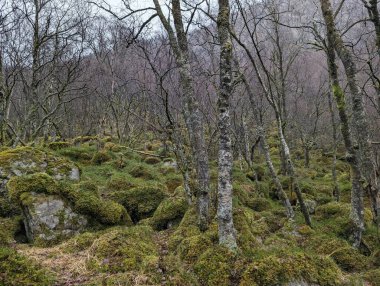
(49, 219)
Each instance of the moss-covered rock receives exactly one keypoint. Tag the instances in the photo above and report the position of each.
(101, 157)
(152, 160)
(27, 160)
(17, 270)
(336, 218)
(349, 259)
(283, 268)
(216, 267)
(259, 204)
(59, 145)
(124, 249)
(143, 171)
(173, 181)
(140, 202)
(169, 212)
(79, 154)
(105, 211)
(9, 228)
(192, 247)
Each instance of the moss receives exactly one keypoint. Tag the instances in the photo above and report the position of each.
(9, 228)
(192, 247)
(173, 181)
(17, 270)
(38, 183)
(152, 160)
(8, 208)
(282, 268)
(112, 147)
(81, 154)
(336, 218)
(88, 186)
(124, 249)
(105, 211)
(121, 183)
(187, 228)
(84, 139)
(28, 160)
(140, 202)
(259, 204)
(79, 242)
(170, 211)
(143, 171)
(101, 157)
(349, 259)
(376, 258)
(58, 145)
(248, 229)
(373, 277)
(215, 267)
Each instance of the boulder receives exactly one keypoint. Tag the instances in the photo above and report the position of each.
(28, 160)
(48, 219)
(48, 216)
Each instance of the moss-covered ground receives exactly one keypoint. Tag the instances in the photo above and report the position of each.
(143, 232)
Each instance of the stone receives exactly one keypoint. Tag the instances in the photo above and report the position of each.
(48, 219)
(27, 160)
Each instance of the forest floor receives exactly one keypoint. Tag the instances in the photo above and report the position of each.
(164, 245)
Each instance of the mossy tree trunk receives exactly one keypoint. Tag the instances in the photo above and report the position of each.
(227, 233)
(192, 114)
(352, 154)
(336, 190)
(360, 124)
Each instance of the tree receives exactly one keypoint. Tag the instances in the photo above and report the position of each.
(225, 158)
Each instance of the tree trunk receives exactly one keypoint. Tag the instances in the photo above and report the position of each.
(352, 155)
(227, 235)
(192, 113)
(336, 191)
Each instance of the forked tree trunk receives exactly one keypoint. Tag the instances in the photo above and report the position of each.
(226, 230)
(192, 114)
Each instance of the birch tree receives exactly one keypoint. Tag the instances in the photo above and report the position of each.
(225, 158)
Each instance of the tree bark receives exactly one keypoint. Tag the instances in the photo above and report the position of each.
(226, 230)
(360, 124)
(352, 154)
(192, 114)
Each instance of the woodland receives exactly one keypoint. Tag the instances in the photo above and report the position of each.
(190, 142)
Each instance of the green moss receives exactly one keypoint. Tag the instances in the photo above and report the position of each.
(259, 204)
(141, 202)
(170, 211)
(124, 249)
(192, 247)
(58, 145)
(152, 160)
(215, 267)
(82, 154)
(282, 268)
(9, 228)
(28, 160)
(349, 259)
(336, 218)
(373, 277)
(105, 211)
(79, 242)
(143, 171)
(101, 157)
(121, 183)
(173, 181)
(16, 270)
(38, 183)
